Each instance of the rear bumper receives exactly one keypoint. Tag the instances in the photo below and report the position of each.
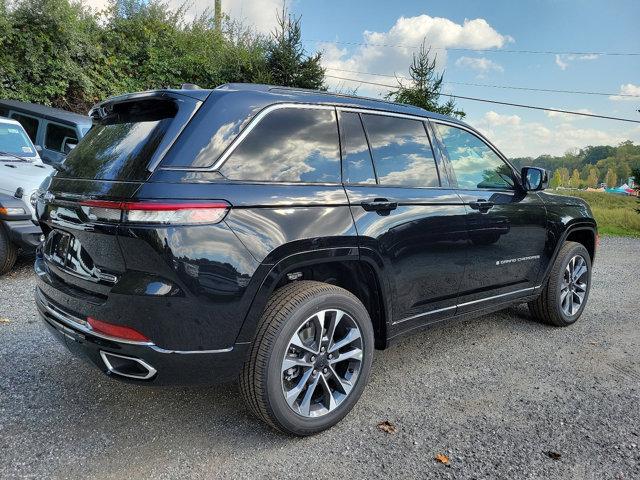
(168, 367)
(24, 233)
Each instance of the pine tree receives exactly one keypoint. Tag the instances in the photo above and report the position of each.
(425, 86)
(287, 61)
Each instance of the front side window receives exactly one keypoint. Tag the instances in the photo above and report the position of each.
(60, 138)
(289, 145)
(30, 124)
(401, 151)
(356, 158)
(474, 163)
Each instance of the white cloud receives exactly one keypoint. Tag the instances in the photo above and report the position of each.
(627, 89)
(258, 13)
(560, 63)
(518, 138)
(494, 119)
(564, 60)
(479, 64)
(407, 33)
(567, 117)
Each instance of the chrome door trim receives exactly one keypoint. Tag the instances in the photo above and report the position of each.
(465, 304)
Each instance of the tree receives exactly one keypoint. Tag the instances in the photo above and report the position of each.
(556, 180)
(425, 86)
(612, 178)
(592, 179)
(564, 176)
(287, 62)
(575, 179)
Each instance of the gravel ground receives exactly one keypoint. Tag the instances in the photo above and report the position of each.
(495, 394)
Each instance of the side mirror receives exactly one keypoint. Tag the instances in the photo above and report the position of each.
(534, 179)
(68, 147)
(39, 148)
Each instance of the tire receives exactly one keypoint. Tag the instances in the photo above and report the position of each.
(291, 313)
(551, 307)
(8, 252)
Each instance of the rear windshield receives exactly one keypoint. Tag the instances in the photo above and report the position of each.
(120, 145)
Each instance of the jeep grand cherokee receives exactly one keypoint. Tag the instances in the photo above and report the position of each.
(280, 236)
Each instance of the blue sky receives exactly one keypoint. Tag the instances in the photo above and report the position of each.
(584, 26)
(555, 25)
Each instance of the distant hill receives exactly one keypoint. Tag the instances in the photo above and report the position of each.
(588, 166)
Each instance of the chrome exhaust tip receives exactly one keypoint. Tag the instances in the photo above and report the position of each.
(129, 367)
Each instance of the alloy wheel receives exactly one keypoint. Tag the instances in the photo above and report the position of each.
(573, 288)
(322, 363)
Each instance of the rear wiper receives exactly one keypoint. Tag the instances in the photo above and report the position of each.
(22, 159)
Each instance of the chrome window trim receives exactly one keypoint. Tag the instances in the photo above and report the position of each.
(382, 113)
(465, 304)
(247, 130)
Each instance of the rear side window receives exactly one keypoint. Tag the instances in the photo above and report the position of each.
(30, 124)
(474, 163)
(356, 158)
(119, 146)
(57, 137)
(401, 151)
(289, 145)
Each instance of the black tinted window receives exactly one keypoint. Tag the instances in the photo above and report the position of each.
(120, 146)
(401, 151)
(57, 137)
(29, 124)
(475, 164)
(288, 145)
(356, 158)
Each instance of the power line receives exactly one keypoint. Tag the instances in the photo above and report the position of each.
(460, 49)
(510, 87)
(520, 105)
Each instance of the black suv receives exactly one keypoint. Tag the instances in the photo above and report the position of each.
(278, 236)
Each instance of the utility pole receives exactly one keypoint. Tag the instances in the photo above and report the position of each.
(217, 12)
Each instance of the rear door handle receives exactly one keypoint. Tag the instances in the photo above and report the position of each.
(481, 205)
(379, 205)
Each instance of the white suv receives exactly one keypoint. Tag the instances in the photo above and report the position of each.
(21, 173)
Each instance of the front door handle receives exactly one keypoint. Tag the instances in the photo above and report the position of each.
(481, 205)
(379, 205)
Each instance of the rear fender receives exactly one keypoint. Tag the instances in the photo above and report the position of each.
(274, 274)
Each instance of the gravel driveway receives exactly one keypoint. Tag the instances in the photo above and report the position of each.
(498, 395)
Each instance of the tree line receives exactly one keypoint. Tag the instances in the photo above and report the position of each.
(590, 166)
(60, 53)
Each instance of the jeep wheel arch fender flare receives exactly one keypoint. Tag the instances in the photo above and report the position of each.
(272, 274)
(579, 225)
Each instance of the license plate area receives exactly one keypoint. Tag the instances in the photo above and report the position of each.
(66, 252)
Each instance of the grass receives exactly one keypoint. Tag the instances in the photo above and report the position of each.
(615, 214)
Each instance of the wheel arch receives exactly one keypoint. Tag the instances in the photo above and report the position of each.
(343, 267)
(584, 233)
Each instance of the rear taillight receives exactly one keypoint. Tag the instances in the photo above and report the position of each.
(155, 212)
(116, 331)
